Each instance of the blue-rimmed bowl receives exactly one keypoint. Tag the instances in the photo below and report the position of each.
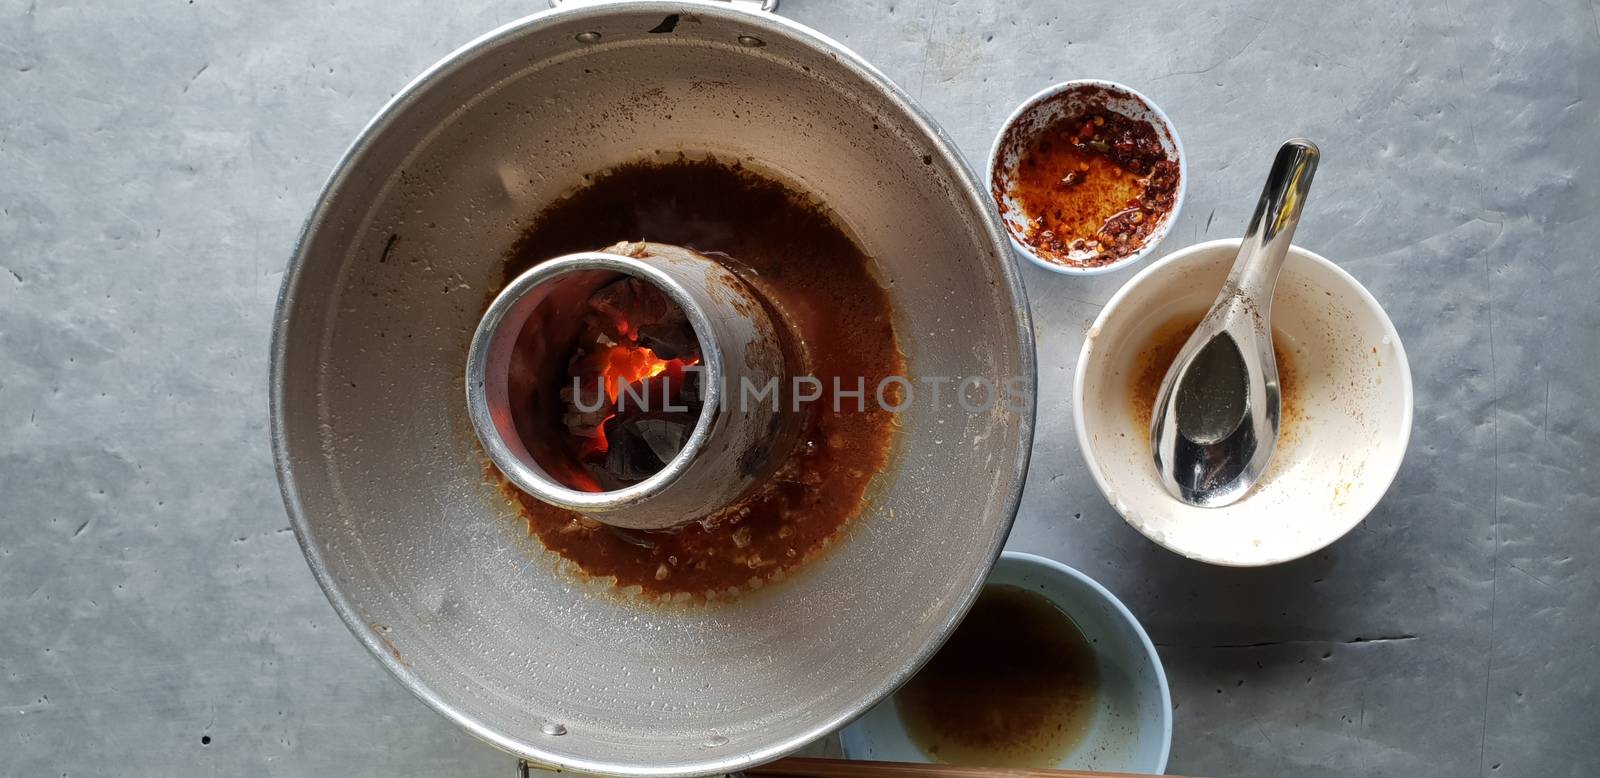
(1132, 727)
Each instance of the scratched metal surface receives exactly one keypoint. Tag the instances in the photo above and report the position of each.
(156, 161)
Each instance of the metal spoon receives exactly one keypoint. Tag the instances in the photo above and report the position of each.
(1216, 417)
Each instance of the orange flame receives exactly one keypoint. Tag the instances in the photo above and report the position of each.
(623, 365)
(619, 366)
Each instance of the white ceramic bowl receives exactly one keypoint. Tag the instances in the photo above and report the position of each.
(1039, 113)
(1347, 415)
(1132, 730)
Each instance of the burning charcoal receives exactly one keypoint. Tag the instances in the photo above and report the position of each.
(583, 398)
(633, 301)
(598, 329)
(636, 344)
(614, 301)
(670, 339)
(630, 458)
(642, 444)
(665, 437)
(585, 425)
(580, 422)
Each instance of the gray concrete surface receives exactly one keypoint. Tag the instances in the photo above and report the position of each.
(156, 160)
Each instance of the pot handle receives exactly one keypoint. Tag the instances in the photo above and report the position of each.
(525, 768)
(769, 6)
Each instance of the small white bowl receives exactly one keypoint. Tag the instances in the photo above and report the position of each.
(1132, 729)
(1042, 111)
(1337, 453)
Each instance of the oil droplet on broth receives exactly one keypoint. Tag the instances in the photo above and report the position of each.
(1016, 686)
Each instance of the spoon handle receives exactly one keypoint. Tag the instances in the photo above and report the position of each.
(1266, 242)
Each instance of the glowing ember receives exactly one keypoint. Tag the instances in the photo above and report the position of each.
(650, 403)
(623, 365)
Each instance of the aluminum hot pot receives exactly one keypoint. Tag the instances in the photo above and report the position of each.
(385, 484)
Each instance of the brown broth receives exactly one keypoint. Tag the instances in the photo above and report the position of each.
(821, 282)
(1150, 369)
(1016, 686)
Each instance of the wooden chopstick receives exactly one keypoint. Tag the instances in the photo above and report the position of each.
(806, 767)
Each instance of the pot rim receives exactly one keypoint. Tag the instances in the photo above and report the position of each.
(946, 155)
